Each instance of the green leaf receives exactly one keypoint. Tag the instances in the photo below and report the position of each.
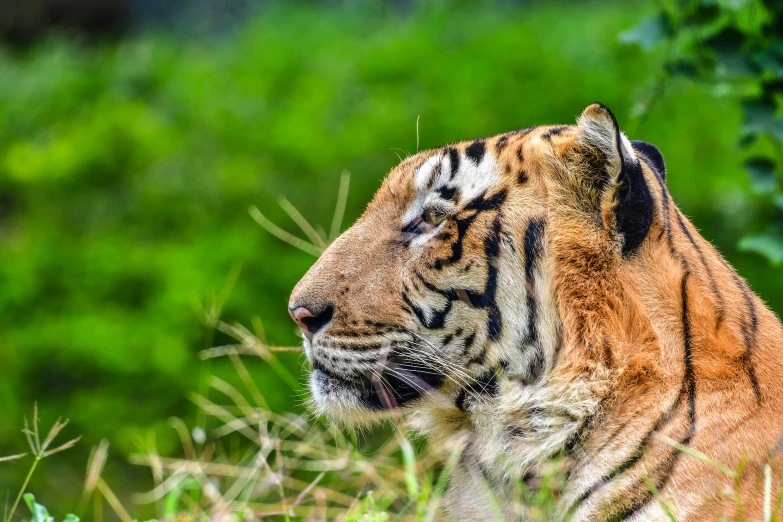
(778, 201)
(171, 505)
(40, 513)
(747, 139)
(760, 117)
(762, 174)
(649, 33)
(768, 61)
(686, 68)
(702, 14)
(727, 41)
(727, 45)
(770, 245)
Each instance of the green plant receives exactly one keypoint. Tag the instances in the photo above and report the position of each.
(39, 450)
(41, 514)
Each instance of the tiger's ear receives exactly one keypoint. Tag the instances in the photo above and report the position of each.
(652, 155)
(626, 201)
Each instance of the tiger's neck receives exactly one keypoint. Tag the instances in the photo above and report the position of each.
(614, 331)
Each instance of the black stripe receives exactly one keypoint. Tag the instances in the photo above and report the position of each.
(438, 316)
(446, 192)
(492, 251)
(475, 151)
(713, 286)
(482, 203)
(453, 161)
(749, 336)
(665, 215)
(468, 343)
(554, 131)
(501, 143)
(479, 204)
(749, 332)
(533, 247)
(527, 130)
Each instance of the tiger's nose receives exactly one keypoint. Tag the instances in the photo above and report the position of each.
(311, 320)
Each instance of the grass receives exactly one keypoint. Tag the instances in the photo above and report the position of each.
(257, 464)
(39, 450)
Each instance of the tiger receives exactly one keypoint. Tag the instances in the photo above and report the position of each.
(538, 295)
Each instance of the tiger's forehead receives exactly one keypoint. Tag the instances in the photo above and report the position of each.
(472, 167)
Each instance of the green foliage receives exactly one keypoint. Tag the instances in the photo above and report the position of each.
(736, 46)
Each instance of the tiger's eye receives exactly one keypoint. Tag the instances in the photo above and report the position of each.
(434, 217)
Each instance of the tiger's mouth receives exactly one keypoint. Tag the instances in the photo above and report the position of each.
(386, 386)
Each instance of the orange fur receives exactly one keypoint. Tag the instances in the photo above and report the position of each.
(666, 341)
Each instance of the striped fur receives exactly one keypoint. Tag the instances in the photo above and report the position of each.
(538, 294)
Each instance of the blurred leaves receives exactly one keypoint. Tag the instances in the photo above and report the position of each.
(649, 33)
(738, 47)
(762, 174)
(769, 245)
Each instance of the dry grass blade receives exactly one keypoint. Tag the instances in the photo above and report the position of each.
(184, 436)
(297, 217)
(306, 490)
(55, 429)
(35, 427)
(767, 493)
(71, 443)
(339, 209)
(283, 235)
(657, 495)
(30, 438)
(698, 455)
(417, 132)
(95, 465)
(113, 501)
(11, 458)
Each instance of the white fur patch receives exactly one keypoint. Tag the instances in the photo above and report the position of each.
(471, 179)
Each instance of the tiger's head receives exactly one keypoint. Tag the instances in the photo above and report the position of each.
(445, 282)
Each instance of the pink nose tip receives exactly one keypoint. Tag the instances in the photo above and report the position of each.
(299, 314)
(311, 320)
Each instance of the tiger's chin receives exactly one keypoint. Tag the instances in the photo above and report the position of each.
(349, 402)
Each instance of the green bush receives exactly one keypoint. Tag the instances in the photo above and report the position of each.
(126, 171)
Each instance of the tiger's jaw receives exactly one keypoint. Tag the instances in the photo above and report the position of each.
(344, 401)
(382, 385)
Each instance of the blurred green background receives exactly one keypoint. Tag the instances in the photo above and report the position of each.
(128, 161)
